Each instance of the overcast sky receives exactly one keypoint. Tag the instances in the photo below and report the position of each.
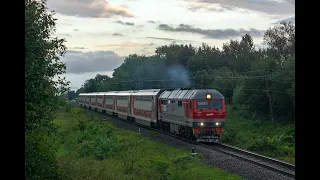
(100, 33)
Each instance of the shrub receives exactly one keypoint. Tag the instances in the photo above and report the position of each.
(96, 139)
(67, 107)
(277, 145)
(229, 136)
(40, 159)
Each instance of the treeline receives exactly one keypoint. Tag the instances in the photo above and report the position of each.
(257, 82)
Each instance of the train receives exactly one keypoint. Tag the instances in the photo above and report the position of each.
(195, 114)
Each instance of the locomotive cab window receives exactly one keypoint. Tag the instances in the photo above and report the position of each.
(216, 104)
(202, 105)
(180, 103)
(190, 104)
(165, 102)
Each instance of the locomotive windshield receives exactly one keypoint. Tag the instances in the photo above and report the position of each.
(202, 105)
(213, 104)
(216, 104)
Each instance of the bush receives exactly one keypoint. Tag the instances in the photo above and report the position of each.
(263, 143)
(229, 136)
(40, 159)
(67, 107)
(61, 101)
(275, 146)
(96, 139)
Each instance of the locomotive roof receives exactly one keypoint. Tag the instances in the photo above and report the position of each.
(199, 94)
(146, 92)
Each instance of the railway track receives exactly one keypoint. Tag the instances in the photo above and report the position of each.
(275, 165)
(264, 161)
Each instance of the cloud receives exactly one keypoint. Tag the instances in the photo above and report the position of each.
(207, 7)
(291, 19)
(83, 62)
(117, 34)
(125, 23)
(122, 44)
(63, 34)
(75, 29)
(64, 24)
(265, 6)
(214, 34)
(291, 1)
(77, 48)
(77, 80)
(169, 39)
(151, 22)
(89, 8)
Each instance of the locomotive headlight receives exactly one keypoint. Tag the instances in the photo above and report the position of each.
(217, 123)
(208, 96)
(201, 124)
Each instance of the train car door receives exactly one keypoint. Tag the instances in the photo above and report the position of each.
(130, 104)
(188, 108)
(104, 102)
(186, 105)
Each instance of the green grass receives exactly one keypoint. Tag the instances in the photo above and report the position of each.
(260, 136)
(95, 149)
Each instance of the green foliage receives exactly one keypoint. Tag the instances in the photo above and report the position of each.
(61, 102)
(225, 82)
(42, 65)
(260, 136)
(95, 149)
(40, 159)
(70, 95)
(96, 140)
(67, 107)
(277, 143)
(281, 40)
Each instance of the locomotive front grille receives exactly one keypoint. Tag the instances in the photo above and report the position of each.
(208, 133)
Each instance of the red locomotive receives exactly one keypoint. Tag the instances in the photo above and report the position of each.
(197, 114)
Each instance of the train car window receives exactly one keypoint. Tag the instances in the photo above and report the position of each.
(173, 101)
(190, 105)
(180, 103)
(165, 102)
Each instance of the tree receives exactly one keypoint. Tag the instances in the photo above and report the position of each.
(42, 65)
(281, 41)
(175, 54)
(80, 90)
(71, 95)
